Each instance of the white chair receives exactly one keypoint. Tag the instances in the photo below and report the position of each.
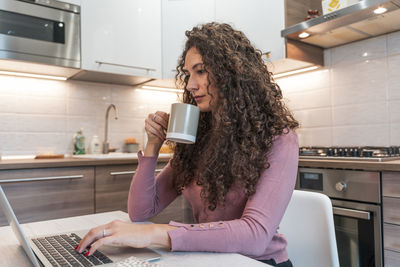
(309, 229)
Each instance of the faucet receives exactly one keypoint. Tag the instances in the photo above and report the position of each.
(106, 145)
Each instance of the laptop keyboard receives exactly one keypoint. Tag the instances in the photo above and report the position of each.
(59, 251)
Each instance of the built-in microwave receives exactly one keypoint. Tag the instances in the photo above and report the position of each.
(40, 31)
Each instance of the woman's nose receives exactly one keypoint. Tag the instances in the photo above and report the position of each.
(192, 85)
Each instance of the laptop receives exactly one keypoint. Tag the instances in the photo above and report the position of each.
(58, 250)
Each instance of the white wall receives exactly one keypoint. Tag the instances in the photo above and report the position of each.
(41, 116)
(354, 100)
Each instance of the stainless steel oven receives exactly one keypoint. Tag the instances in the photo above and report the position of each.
(356, 203)
(40, 31)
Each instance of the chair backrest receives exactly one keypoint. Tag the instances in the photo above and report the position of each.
(309, 229)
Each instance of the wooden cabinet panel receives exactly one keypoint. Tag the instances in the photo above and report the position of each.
(391, 210)
(391, 184)
(50, 193)
(179, 210)
(112, 187)
(392, 259)
(391, 235)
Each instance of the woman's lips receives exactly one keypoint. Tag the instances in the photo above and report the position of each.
(197, 98)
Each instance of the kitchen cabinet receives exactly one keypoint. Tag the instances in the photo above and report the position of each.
(48, 193)
(179, 16)
(112, 188)
(261, 21)
(391, 217)
(122, 37)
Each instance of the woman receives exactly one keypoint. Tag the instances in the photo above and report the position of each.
(238, 176)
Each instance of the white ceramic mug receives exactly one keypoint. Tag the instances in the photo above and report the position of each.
(183, 123)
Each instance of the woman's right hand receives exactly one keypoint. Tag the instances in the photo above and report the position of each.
(156, 127)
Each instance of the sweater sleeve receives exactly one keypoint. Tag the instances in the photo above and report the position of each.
(252, 233)
(149, 195)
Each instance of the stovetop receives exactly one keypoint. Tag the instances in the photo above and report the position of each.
(366, 153)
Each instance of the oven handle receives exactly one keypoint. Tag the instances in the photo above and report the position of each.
(352, 213)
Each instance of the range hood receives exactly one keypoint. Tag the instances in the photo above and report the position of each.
(353, 23)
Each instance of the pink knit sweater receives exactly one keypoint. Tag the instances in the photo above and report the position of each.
(245, 225)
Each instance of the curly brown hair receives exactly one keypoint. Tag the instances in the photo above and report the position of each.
(233, 139)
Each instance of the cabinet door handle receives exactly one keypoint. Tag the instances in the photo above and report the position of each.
(158, 170)
(122, 173)
(125, 66)
(42, 179)
(352, 213)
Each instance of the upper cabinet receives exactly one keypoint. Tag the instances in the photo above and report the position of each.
(179, 16)
(261, 21)
(146, 37)
(122, 37)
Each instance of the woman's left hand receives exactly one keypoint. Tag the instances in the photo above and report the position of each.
(117, 233)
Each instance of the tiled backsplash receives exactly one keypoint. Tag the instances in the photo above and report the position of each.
(41, 116)
(354, 100)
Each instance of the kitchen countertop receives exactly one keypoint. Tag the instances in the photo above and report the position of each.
(393, 165)
(11, 164)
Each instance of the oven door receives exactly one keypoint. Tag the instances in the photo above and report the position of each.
(39, 34)
(358, 233)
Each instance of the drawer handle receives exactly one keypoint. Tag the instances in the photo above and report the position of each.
(42, 179)
(158, 170)
(125, 66)
(352, 213)
(122, 173)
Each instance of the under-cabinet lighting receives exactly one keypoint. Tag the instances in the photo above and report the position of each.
(163, 89)
(31, 75)
(380, 10)
(304, 35)
(283, 74)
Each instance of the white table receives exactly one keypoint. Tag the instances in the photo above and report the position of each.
(12, 254)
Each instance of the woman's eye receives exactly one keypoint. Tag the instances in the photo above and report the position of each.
(201, 71)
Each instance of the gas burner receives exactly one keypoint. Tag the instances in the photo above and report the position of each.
(351, 153)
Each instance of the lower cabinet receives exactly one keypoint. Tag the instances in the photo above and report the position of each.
(48, 193)
(112, 187)
(51, 193)
(391, 218)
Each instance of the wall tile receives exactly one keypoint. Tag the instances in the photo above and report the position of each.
(315, 136)
(309, 99)
(394, 77)
(309, 81)
(41, 105)
(394, 111)
(393, 40)
(38, 143)
(359, 51)
(40, 123)
(361, 135)
(359, 92)
(8, 122)
(395, 134)
(314, 117)
(7, 143)
(89, 91)
(363, 72)
(360, 114)
(8, 103)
